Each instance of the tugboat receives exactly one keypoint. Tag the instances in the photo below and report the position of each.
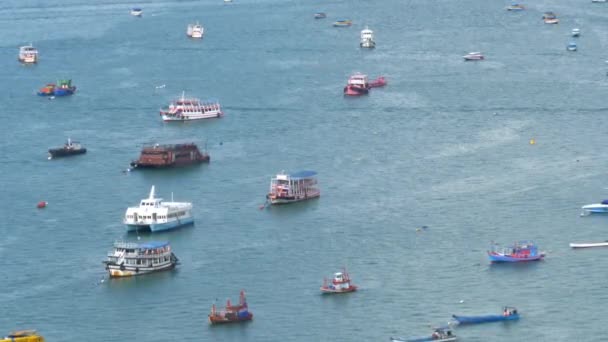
(288, 188)
(70, 148)
(155, 215)
(133, 259)
(473, 56)
(367, 38)
(170, 155)
(340, 284)
(28, 54)
(23, 336)
(195, 31)
(442, 334)
(186, 109)
(231, 313)
(520, 251)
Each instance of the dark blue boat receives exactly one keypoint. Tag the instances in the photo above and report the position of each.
(509, 314)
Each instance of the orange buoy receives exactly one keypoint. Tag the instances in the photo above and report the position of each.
(41, 204)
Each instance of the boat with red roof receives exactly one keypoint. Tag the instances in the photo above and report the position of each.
(231, 313)
(170, 155)
(340, 284)
(186, 109)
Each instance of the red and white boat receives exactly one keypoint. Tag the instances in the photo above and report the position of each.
(288, 188)
(473, 56)
(357, 85)
(340, 284)
(231, 313)
(186, 109)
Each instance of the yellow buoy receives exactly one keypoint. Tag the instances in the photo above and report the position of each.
(532, 141)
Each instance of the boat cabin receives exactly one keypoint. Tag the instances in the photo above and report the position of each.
(509, 311)
(358, 80)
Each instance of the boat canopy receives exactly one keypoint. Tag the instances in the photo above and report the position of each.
(605, 201)
(303, 174)
(154, 244)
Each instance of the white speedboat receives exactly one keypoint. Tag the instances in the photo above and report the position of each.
(473, 56)
(589, 244)
(576, 32)
(367, 38)
(137, 12)
(195, 31)
(571, 46)
(155, 215)
(595, 208)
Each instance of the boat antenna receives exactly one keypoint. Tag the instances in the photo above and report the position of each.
(151, 193)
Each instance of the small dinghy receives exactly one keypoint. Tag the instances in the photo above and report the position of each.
(443, 334)
(589, 244)
(571, 46)
(576, 32)
(508, 314)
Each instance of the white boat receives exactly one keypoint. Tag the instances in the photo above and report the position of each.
(576, 32)
(595, 208)
(589, 244)
(28, 54)
(195, 31)
(571, 46)
(131, 259)
(155, 215)
(367, 38)
(186, 109)
(598, 0)
(288, 188)
(551, 21)
(137, 12)
(473, 56)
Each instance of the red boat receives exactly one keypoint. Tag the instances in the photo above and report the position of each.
(170, 155)
(340, 284)
(378, 82)
(358, 84)
(231, 313)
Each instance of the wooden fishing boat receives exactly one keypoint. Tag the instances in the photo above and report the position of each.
(589, 244)
(443, 334)
(340, 284)
(231, 313)
(509, 314)
(518, 252)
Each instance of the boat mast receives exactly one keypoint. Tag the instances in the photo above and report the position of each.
(151, 193)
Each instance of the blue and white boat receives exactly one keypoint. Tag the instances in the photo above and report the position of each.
(571, 46)
(137, 12)
(521, 251)
(595, 208)
(508, 314)
(443, 334)
(155, 215)
(576, 32)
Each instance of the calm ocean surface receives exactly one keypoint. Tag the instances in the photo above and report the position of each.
(445, 144)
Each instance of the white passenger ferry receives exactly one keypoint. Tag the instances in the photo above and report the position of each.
(155, 215)
(367, 39)
(186, 109)
(132, 259)
(195, 31)
(288, 188)
(28, 54)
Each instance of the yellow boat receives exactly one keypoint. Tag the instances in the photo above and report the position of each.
(23, 336)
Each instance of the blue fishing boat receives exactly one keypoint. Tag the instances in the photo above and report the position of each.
(64, 88)
(443, 334)
(520, 251)
(508, 314)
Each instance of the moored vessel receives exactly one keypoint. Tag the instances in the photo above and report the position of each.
(28, 54)
(231, 313)
(576, 32)
(442, 334)
(550, 18)
(186, 109)
(155, 215)
(195, 30)
(320, 15)
(367, 38)
(357, 85)
(519, 252)
(23, 336)
(137, 12)
(343, 23)
(132, 259)
(288, 188)
(473, 56)
(571, 46)
(515, 7)
(508, 314)
(339, 284)
(70, 148)
(170, 155)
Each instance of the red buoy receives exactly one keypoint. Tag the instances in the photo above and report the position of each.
(41, 204)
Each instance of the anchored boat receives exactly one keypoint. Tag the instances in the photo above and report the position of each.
(288, 188)
(473, 56)
(64, 88)
(28, 54)
(571, 46)
(70, 148)
(133, 259)
(576, 32)
(195, 30)
(186, 109)
(340, 284)
(343, 23)
(508, 314)
(170, 155)
(231, 313)
(367, 38)
(520, 251)
(23, 336)
(515, 7)
(442, 334)
(320, 15)
(155, 215)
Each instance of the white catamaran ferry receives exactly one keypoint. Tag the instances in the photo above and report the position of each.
(155, 215)
(131, 259)
(185, 109)
(288, 188)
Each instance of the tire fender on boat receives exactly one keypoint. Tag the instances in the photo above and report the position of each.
(136, 269)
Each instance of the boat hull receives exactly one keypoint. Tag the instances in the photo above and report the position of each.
(423, 339)
(237, 319)
(60, 152)
(589, 245)
(191, 117)
(64, 91)
(286, 200)
(595, 208)
(369, 44)
(176, 163)
(118, 271)
(159, 227)
(327, 290)
(355, 91)
(499, 258)
(484, 319)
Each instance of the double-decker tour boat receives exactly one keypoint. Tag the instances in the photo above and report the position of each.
(132, 259)
(340, 284)
(155, 215)
(170, 155)
(186, 109)
(28, 54)
(288, 188)
(231, 313)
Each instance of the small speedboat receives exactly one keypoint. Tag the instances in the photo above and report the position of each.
(443, 334)
(137, 12)
(571, 46)
(343, 23)
(508, 314)
(320, 15)
(519, 252)
(473, 56)
(589, 244)
(515, 7)
(595, 208)
(576, 32)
